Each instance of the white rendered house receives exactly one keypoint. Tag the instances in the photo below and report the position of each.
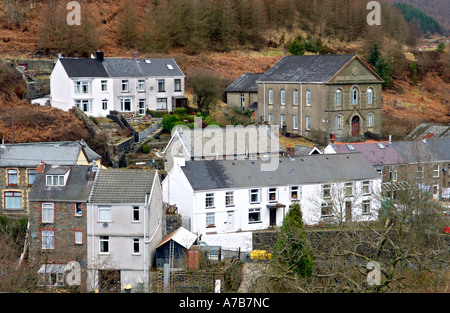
(100, 85)
(221, 196)
(124, 226)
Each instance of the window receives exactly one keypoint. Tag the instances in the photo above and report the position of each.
(366, 207)
(270, 96)
(141, 85)
(254, 215)
(161, 85)
(295, 192)
(308, 97)
(78, 237)
(83, 105)
(104, 214)
(369, 96)
(48, 213)
(13, 200)
(420, 172)
(209, 200)
(136, 246)
(348, 189)
(12, 177)
(354, 96)
(82, 87)
(295, 97)
(393, 174)
(48, 239)
(270, 118)
(78, 209)
(161, 104)
(326, 191)
(125, 86)
(325, 209)
(436, 171)
(125, 104)
(295, 122)
(339, 122)
(366, 187)
(177, 84)
(104, 84)
(31, 176)
(135, 214)
(273, 195)
(210, 220)
(283, 119)
(229, 198)
(338, 97)
(436, 191)
(55, 180)
(370, 120)
(283, 96)
(254, 195)
(104, 244)
(308, 123)
(105, 104)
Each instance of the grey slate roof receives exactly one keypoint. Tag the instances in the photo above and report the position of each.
(306, 68)
(432, 150)
(314, 169)
(122, 186)
(77, 189)
(245, 83)
(378, 155)
(84, 68)
(430, 130)
(122, 67)
(55, 153)
(158, 67)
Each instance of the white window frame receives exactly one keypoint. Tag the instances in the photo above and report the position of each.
(308, 122)
(48, 239)
(295, 97)
(55, 180)
(122, 104)
(272, 191)
(102, 249)
(141, 85)
(210, 219)
(177, 83)
(125, 85)
(254, 212)
(82, 87)
(295, 190)
(436, 172)
(229, 198)
(104, 213)
(270, 96)
(48, 212)
(354, 95)
(325, 188)
(349, 189)
(136, 246)
(257, 192)
(270, 118)
(84, 105)
(135, 214)
(370, 95)
(105, 104)
(370, 120)
(295, 121)
(308, 97)
(78, 234)
(329, 210)
(209, 200)
(365, 187)
(365, 207)
(141, 106)
(338, 97)
(161, 103)
(282, 119)
(104, 85)
(283, 96)
(339, 122)
(161, 85)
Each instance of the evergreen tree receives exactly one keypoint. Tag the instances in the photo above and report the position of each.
(292, 249)
(374, 54)
(384, 70)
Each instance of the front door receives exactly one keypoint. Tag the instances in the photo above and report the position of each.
(273, 217)
(355, 126)
(230, 218)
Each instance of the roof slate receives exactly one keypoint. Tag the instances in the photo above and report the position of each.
(56, 153)
(374, 154)
(245, 83)
(122, 68)
(158, 67)
(77, 189)
(314, 169)
(306, 68)
(122, 186)
(83, 68)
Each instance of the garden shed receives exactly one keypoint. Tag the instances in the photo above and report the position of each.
(178, 242)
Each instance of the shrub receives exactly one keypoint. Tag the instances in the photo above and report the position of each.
(180, 111)
(170, 121)
(145, 148)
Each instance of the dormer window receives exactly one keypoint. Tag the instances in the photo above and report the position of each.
(55, 180)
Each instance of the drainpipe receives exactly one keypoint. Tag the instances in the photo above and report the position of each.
(145, 242)
(264, 101)
(301, 109)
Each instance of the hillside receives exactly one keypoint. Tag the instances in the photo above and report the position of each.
(251, 45)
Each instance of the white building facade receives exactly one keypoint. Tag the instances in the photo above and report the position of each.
(244, 199)
(100, 85)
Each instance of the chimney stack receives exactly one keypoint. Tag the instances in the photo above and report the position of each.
(40, 167)
(100, 56)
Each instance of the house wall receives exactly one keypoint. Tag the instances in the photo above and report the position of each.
(21, 186)
(153, 93)
(61, 88)
(121, 231)
(64, 226)
(233, 218)
(234, 99)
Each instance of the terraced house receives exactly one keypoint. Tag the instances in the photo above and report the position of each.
(330, 95)
(18, 168)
